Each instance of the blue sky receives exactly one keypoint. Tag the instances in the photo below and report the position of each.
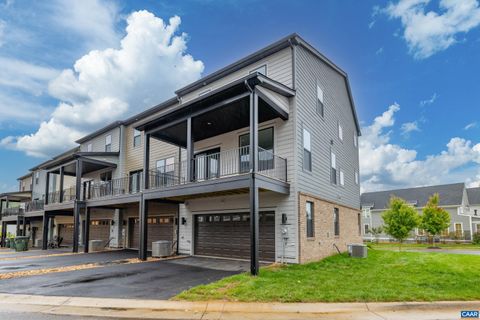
(412, 64)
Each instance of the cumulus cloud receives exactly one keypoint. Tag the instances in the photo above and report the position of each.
(428, 32)
(110, 84)
(429, 101)
(470, 126)
(2, 32)
(385, 165)
(409, 127)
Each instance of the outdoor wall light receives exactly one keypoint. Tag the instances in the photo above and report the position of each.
(284, 218)
(113, 222)
(184, 221)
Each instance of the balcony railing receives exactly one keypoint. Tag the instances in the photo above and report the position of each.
(219, 165)
(16, 211)
(114, 187)
(34, 205)
(68, 195)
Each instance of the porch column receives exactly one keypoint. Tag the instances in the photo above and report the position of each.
(143, 212)
(47, 185)
(19, 221)
(86, 231)
(146, 162)
(46, 223)
(24, 226)
(4, 233)
(77, 204)
(190, 163)
(62, 172)
(253, 150)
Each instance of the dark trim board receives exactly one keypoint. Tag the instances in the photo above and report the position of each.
(111, 202)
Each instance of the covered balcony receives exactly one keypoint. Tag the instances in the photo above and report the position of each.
(245, 103)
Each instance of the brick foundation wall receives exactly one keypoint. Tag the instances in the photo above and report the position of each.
(321, 244)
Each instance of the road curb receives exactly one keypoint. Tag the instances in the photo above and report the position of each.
(234, 307)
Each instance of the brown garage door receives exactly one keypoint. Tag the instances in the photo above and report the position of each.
(65, 231)
(159, 228)
(228, 235)
(100, 230)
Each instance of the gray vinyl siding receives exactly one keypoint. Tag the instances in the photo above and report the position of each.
(98, 143)
(323, 130)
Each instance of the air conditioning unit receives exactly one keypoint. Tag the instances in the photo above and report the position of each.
(357, 250)
(161, 249)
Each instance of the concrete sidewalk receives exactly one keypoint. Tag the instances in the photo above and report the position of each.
(162, 309)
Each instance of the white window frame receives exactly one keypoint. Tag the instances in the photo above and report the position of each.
(262, 69)
(333, 166)
(367, 229)
(312, 218)
(342, 177)
(37, 177)
(137, 134)
(307, 146)
(320, 101)
(340, 131)
(108, 142)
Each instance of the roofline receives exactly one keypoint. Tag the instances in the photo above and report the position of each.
(167, 103)
(431, 186)
(25, 176)
(66, 153)
(100, 131)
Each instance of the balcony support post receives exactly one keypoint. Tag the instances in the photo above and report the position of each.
(77, 204)
(4, 233)
(190, 163)
(62, 176)
(254, 215)
(46, 224)
(47, 185)
(146, 162)
(86, 231)
(18, 232)
(24, 226)
(143, 225)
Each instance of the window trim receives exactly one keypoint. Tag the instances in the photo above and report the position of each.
(320, 103)
(341, 177)
(333, 169)
(310, 231)
(305, 150)
(137, 134)
(340, 131)
(108, 144)
(461, 226)
(366, 230)
(336, 222)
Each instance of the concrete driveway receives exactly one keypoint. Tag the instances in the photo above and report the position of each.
(147, 280)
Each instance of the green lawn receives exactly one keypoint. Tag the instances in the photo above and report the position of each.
(415, 246)
(383, 276)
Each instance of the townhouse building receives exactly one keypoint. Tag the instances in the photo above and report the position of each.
(460, 202)
(258, 160)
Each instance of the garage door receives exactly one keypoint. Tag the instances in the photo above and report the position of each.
(65, 231)
(100, 230)
(228, 235)
(159, 228)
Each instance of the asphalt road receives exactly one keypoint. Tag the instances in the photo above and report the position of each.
(147, 280)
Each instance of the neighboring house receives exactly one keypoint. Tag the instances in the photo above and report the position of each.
(474, 208)
(453, 198)
(273, 136)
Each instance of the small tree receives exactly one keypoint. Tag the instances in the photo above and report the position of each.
(434, 218)
(375, 232)
(400, 219)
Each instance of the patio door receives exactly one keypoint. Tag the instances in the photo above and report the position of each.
(207, 164)
(265, 152)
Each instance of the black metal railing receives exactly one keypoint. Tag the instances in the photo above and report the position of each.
(15, 211)
(114, 187)
(218, 165)
(34, 205)
(69, 195)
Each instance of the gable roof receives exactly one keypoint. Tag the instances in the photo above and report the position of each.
(450, 194)
(473, 196)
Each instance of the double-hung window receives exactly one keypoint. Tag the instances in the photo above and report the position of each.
(333, 169)
(310, 219)
(340, 132)
(336, 221)
(320, 103)
(108, 143)
(137, 138)
(307, 151)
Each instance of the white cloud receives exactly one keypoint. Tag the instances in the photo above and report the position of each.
(379, 51)
(429, 101)
(20, 110)
(428, 32)
(93, 20)
(409, 127)
(385, 165)
(107, 85)
(470, 126)
(25, 76)
(3, 24)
